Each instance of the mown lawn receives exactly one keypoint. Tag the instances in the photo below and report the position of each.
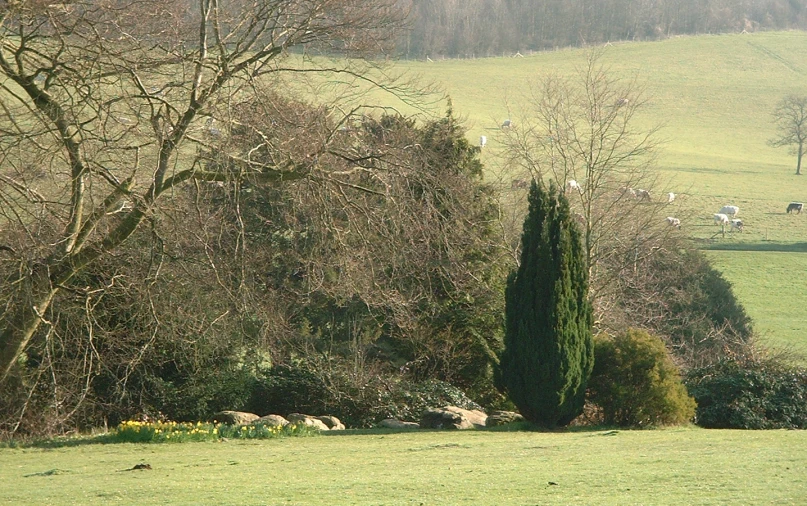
(674, 466)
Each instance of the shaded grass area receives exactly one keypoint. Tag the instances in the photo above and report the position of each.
(798, 247)
(168, 432)
(676, 466)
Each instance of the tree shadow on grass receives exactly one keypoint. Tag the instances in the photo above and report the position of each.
(794, 247)
(61, 442)
(509, 427)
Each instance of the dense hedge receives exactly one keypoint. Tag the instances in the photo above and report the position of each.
(749, 393)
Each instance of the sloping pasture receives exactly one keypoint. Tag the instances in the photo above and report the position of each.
(713, 95)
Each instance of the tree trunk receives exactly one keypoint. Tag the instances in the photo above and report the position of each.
(24, 322)
(44, 285)
(798, 158)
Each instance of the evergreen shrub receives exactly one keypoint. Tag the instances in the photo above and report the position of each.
(636, 383)
(283, 389)
(548, 349)
(749, 393)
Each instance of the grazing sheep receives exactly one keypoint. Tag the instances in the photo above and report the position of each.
(795, 206)
(507, 124)
(730, 211)
(642, 194)
(572, 185)
(721, 219)
(670, 198)
(736, 224)
(482, 141)
(673, 222)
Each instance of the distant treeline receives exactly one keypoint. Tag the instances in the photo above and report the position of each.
(494, 27)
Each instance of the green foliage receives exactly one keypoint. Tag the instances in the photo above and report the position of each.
(409, 400)
(283, 389)
(750, 393)
(549, 352)
(356, 402)
(636, 383)
(193, 393)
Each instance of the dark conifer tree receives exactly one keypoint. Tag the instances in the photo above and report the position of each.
(549, 352)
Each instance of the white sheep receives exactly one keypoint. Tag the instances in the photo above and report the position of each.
(670, 198)
(721, 219)
(736, 224)
(730, 211)
(573, 185)
(673, 222)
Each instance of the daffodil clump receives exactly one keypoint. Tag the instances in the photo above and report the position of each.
(133, 431)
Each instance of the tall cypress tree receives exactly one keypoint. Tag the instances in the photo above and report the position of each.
(549, 351)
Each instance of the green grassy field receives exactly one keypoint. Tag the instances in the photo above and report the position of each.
(680, 466)
(714, 95)
(772, 287)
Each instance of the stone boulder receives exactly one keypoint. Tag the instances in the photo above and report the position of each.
(235, 417)
(452, 417)
(497, 418)
(273, 420)
(332, 422)
(392, 423)
(311, 421)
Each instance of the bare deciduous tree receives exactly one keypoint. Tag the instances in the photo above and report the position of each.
(790, 117)
(107, 106)
(581, 133)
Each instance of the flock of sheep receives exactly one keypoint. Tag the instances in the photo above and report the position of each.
(727, 216)
(722, 218)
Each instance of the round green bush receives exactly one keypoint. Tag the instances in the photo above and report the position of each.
(636, 383)
(749, 393)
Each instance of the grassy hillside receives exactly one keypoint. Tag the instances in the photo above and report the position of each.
(714, 96)
(681, 466)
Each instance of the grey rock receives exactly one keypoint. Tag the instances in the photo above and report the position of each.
(309, 420)
(273, 420)
(497, 418)
(332, 422)
(452, 417)
(235, 417)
